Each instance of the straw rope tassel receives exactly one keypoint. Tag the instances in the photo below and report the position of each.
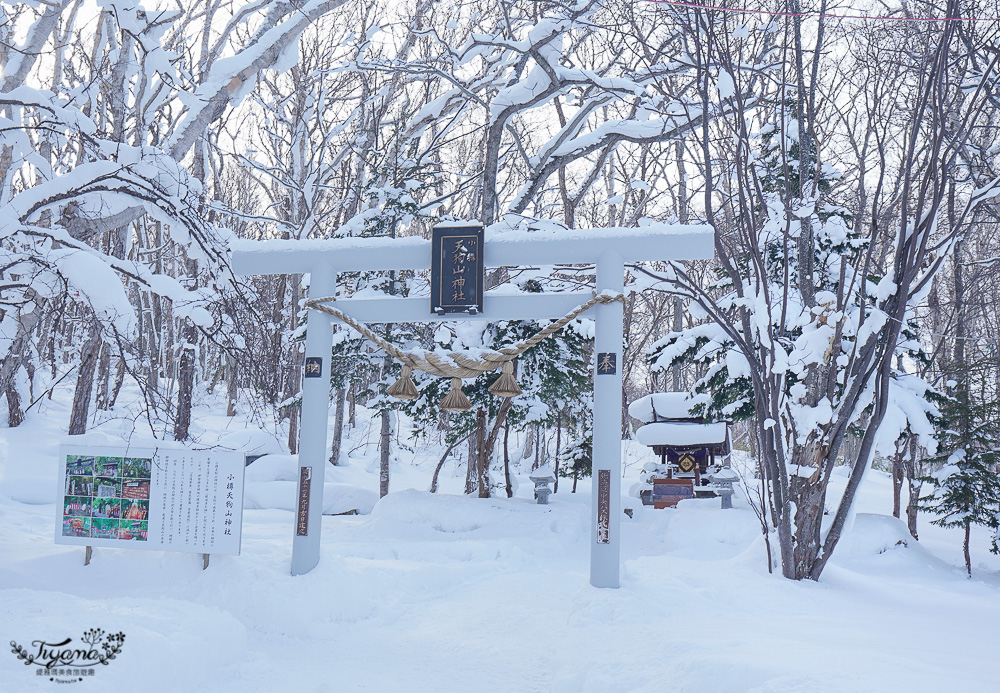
(506, 385)
(456, 399)
(404, 388)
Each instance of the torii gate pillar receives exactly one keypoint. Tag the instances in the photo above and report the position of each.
(610, 248)
(313, 423)
(605, 516)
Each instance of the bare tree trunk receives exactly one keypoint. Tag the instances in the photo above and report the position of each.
(103, 378)
(84, 384)
(116, 388)
(16, 357)
(676, 376)
(486, 452)
(153, 334)
(293, 429)
(352, 418)
(385, 443)
(807, 496)
(538, 447)
(529, 443)
(897, 484)
(231, 386)
(15, 413)
(965, 549)
(185, 384)
(470, 467)
(482, 455)
(913, 486)
(440, 464)
(338, 425)
(555, 486)
(506, 460)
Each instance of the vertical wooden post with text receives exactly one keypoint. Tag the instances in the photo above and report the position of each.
(315, 416)
(605, 520)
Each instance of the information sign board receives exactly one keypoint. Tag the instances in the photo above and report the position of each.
(457, 269)
(162, 499)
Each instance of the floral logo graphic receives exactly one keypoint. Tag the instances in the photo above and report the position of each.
(66, 662)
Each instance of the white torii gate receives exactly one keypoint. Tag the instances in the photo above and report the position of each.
(609, 248)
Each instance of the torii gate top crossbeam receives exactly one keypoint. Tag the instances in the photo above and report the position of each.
(503, 249)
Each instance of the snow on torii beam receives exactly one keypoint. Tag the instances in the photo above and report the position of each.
(608, 248)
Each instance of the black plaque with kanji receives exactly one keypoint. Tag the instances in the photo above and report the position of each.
(607, 363)
(457, 269)
(314, 366)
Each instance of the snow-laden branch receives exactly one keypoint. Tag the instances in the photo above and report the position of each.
(229, 79)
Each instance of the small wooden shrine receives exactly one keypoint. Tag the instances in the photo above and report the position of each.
(686, 445)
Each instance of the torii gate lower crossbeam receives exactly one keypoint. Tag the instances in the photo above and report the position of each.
(608, 248)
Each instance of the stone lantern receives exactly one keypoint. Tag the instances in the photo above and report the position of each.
(722, 484)
(542, 477)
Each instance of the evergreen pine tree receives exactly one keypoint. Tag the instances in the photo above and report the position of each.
(966, 489)
(554, 376)
(726, 371)
(578, 458)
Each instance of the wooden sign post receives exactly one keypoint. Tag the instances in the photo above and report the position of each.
(161, 499)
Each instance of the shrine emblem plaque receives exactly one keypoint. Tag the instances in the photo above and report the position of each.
(457, 269)
(686, 462)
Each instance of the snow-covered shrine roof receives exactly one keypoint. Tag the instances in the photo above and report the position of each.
(679, 434)
(670, 423)
(664, 405)
(683, 434)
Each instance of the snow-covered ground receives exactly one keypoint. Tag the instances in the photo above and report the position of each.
(439, 592)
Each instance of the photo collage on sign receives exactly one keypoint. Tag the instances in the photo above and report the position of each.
(107, 497)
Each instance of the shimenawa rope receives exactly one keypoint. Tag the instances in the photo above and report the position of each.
(456, 364)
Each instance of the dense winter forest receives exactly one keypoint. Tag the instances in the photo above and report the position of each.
(848, 166)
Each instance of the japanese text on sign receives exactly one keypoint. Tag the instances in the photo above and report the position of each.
(168, 500)
(457, 270)
(302, 516)
(603, 506)
(607, 363)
